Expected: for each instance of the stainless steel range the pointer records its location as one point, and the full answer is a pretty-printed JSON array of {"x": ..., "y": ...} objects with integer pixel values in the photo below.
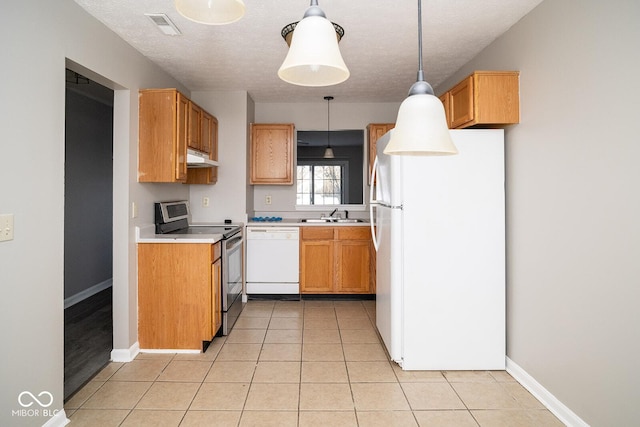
[{"x": 174, "y": 218}]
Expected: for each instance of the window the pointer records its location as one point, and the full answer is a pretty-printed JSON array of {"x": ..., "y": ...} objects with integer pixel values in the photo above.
[
  {"x": 320, "y": 182},
  {"x": 348, "y": 187}
]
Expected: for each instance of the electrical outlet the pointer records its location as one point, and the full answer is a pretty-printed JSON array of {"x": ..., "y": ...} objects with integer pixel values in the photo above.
[
  {"x": 205, "y": 202},
  {"x": 134, "y": 210},
  {"x": 267, "y": 200},
  {"x": 6, "y": 227}
]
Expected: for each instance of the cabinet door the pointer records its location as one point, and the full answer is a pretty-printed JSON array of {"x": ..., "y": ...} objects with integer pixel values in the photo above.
[
  {"x": 461, "y": 103},
  {"x": 316, "y": 266},
  {"x": 209, "y": 138},
  {"x": 195, "y": 138},
  {"x": 213, "y": 147},
  {"x": 497, "y": 97},
  {"x": 271, "y": 154},
  {"x": 174, "y": 298},
  {"x": 375, "y": 131},
  {"x": 182, "y": 131},
  {"x": 216, "y": 301},
  {"x": 162, "y": 139},
  {"x": 444, "y": 98},
  {"x": 353, "y": 266}
]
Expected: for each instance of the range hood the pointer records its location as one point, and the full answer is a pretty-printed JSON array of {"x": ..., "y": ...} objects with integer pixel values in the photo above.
[{"x": 197, "y": 159}]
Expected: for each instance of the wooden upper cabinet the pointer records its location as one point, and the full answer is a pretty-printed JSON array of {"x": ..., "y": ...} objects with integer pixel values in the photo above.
[
  {"x": 163, "y": 133},
  {"x": 169, "y": 123},
  {"x": 209, "y": 144},
  {"x": 272, "y": 154},
  {"x": 374, "y": 132},
  {"x": 208, "y": 134},
  {"x": 484, "y": 98},
  {"x": 444, "y": 98},
  {"x": 195, "y": 137}
]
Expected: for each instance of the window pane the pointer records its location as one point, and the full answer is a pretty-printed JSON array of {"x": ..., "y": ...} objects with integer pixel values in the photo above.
[{"x": 324, "y": 180}]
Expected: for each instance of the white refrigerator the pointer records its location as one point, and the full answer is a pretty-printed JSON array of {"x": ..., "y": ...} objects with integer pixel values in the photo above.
[{"x": 440, "y": 239}]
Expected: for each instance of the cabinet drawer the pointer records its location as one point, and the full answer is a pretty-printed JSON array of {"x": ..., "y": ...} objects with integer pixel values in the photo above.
[
  {"x": 317, "y": 233},
  {"x": 353, "y": 233},
  {"x": 216, "y": 251}
]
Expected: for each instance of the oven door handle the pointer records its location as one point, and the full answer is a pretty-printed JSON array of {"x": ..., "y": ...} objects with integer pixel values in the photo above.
[{"x": 233, "y": 243}]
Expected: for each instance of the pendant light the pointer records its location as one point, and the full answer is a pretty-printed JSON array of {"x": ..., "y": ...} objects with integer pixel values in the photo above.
[
  {"x": 314, "y": 57},
  {"x": 328, "y": 152},
  {"x": 421, "y": 127},
  {"x": 211, "y": 12}
]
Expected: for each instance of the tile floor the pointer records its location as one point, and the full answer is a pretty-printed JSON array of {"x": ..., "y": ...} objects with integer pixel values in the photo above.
[{"x": 299, "y": 363}]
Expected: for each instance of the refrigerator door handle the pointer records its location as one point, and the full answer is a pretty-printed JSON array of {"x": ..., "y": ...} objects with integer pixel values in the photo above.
[{"x": 373, "y": 202}]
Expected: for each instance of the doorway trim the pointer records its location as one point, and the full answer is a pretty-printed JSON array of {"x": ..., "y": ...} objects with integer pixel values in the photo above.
[{"x": 125, "y": 304}]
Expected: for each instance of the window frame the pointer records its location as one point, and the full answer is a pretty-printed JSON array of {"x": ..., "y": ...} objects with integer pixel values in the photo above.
[{"x": 344, "y": 166}]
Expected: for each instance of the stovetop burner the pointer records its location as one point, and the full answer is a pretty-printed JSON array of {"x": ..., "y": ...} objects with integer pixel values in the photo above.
[
  {"x": 173, "y": 218},
  {"x": 226, "y": 230}
]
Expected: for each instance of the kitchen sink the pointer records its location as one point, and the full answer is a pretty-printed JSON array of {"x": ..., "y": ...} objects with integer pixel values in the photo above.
[{"x": 338, "y": 220}]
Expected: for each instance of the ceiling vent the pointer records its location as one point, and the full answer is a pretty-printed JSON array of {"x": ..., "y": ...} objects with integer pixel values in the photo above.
[{"x": 163, "y": 22}]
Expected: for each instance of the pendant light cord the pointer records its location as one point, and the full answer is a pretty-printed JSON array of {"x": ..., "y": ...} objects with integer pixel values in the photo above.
[
  {"x": 328, "y": 152},
  {"x": 420, "y": 87},
  {"x": 420, "y": 70}
]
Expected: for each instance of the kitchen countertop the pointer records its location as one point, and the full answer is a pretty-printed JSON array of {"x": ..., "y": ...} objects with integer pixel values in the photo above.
[
  {"x": 295, "y": 222},
  {"x": 147, "y": 234}
]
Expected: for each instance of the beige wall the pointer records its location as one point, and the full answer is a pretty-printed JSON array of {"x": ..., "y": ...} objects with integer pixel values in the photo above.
[
  {"x": 40, "y": 39},
  {"x": 573, "y": 203},
  {"x": 227, "y": 196}
]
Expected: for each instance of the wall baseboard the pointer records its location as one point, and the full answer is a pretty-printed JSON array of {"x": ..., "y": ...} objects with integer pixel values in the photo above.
[
  {"x": 125, "y": 354},
  {"x": 82, "y": 295},
  {"x": 58, "y": 420},
  {"x": 169, "y": 351},
  {"x": 557, "y": 408}
]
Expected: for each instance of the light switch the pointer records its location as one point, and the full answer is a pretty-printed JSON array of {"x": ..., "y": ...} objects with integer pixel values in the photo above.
[
  {"x": 6, "y": 227},
  {"x": 134, "y": 210}
]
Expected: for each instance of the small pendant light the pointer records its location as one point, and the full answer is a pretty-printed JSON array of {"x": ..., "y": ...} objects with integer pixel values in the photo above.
[
  {"x": 314, "y": 57},
  {"x": 211, "y": 12},
  {"x": 421, "y": 127},
  {"x": 328, "y": 152}
]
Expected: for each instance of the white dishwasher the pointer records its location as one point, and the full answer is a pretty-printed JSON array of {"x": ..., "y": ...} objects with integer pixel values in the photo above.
[{"x": 273, "y": 260}]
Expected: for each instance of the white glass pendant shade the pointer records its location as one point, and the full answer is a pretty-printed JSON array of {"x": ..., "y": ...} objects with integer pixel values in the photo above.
[
  {"x": 314, "y": 58},
  {"x": 421, "y": 128},
  {"x": 211, "y": 12},
  {"x": 328, "y": 153}
]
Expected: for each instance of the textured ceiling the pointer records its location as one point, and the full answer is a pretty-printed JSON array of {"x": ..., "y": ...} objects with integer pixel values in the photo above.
[{"x": 379, "y": 46}]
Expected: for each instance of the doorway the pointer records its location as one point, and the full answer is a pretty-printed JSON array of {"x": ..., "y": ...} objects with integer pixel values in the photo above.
[{"x": 88, "y": 236}]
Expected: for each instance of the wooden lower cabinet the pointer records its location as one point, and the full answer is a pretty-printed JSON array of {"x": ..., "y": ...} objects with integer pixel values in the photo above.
[
  {"x": 353, "y": 261},
  {"x": 336, "y": 260},
  {"x": 178, "y": 295},
  {"x": 317, "y": 266}
]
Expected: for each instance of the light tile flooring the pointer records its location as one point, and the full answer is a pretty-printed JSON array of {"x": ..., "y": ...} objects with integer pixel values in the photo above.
[{"x": 299, "y": 363}]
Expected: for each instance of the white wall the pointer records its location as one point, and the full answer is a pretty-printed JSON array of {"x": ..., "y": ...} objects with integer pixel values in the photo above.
[
  {"x": 37, "y": 39},
  {"x": 573, "y": 203},
  {"x": 313, "y": 116}
]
